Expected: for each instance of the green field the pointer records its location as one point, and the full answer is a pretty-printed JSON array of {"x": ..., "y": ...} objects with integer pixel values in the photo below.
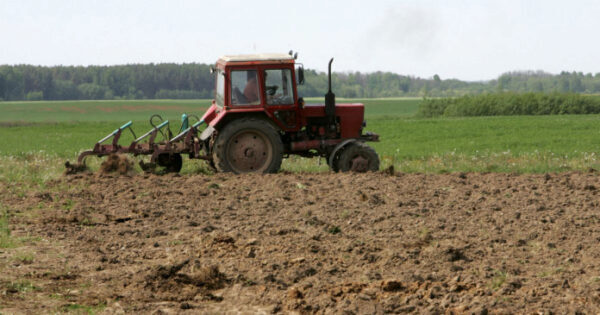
[
  {"x": 141, "y": 110},
  {"x": 37, "y": 137},
  {"x": 96, "y": 111}
]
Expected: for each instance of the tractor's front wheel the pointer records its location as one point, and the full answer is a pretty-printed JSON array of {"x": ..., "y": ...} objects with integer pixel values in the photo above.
[
  {"x": 248, "y": 145},
  {"x": 357, "y": 157}
]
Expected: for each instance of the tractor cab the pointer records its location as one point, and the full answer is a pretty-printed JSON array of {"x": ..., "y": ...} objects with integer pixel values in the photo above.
[{"x": 259, "y": 83}]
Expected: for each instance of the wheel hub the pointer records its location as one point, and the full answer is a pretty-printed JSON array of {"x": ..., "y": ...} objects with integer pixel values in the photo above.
[
  {"x": 249, "y": 151},
  {"x": 359, "y": 164}
]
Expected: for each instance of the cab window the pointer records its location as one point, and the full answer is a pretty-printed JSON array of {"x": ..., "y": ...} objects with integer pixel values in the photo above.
[
  {"x": 220, "y": 90},
  {"x": 278, "y": 87},
  {"x": 244, "y": 87}
]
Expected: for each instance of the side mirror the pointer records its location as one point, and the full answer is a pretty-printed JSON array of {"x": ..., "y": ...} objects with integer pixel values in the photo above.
[
  {"x": 211, "y": 69},
  {"x": 300, "y": 75}
]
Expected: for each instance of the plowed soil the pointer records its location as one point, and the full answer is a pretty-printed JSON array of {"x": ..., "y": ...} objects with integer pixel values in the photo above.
[{"x": 306, "y": 243}]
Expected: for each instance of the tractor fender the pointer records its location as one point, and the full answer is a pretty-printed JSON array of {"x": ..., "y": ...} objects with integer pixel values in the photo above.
[
  {"x": 338, "y": 147},
  {"x": 221, "y": 121}
]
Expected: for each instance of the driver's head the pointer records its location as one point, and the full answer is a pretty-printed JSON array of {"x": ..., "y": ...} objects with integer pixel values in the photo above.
[{"x": 250, "y": 75}]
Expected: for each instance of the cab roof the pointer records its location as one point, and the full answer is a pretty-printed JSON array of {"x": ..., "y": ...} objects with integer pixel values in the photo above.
[{"x": 257, "y": 57}]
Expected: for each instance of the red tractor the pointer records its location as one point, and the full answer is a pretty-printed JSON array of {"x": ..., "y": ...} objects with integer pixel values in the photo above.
[{"x": 255, "y": 120}]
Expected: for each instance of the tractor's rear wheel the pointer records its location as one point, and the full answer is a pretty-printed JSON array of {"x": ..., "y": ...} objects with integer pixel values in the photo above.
[
  {"x": 358, "y": 157},
  {"x": 248, "y": 145},
  {"x": 172, "y": 162}
]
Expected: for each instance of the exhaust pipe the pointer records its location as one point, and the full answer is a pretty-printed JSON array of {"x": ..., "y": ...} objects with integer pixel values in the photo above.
[{"x": 330, "y": 102}]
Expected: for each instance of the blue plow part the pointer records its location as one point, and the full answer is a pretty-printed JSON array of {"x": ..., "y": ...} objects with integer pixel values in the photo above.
[
  {"x": 198, "y": 124},
  {"x": 184, "y": 121},
  {"x": 181, "y": 134},
  {"x": 114, "y": 133},
  {"x": 164, "y": 123},
  {"x": 128, "y": 124}
]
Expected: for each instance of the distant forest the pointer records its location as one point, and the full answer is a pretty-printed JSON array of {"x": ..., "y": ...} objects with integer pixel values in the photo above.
[{"x": 194, "y": 81}]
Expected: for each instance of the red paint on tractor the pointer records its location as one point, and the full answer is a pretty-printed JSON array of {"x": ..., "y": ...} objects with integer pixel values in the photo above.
[{"x": 350, "y": 116}]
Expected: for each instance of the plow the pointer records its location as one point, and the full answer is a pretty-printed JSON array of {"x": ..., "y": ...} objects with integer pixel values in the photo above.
[
  {"x": 255, "y": 120},
  {"x": 166, "y": 152}
]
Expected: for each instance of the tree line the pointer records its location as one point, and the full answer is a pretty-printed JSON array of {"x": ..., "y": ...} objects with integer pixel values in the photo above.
[
  {"x": 137, "y": 81},
  {"x": 194, "y": 81}
]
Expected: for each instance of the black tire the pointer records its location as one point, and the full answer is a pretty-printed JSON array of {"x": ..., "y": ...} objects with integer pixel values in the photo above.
[
  {"x": 358, "y": 157},
  {"x": 248, "y": 145},
  {"x": 335, "y": 161},
  {"x": 172, "y": 162}
]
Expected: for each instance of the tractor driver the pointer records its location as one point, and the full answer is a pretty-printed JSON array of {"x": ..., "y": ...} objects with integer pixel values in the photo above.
[{"x": 251, "y": 89}]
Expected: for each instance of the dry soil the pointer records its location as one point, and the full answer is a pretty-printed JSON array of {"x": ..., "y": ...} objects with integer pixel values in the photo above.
[{"x": 305, "y": 243}]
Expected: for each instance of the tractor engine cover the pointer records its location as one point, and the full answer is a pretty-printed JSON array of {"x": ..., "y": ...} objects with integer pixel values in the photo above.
[{"x": 351, "y": 117}]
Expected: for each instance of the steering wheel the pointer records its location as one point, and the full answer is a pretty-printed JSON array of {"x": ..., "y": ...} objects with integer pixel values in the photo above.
[
  {"x": 271, "y": 89},
  {"x": 280, "y": 99}
]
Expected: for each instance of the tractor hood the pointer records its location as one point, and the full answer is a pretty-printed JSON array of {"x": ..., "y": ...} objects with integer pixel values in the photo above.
[{"x": 350, "y": 115}]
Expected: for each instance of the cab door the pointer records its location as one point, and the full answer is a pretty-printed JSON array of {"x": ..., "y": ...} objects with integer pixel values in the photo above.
[
  {"x": 280, "y": 98},
  {"x": 245, "y": 88}
]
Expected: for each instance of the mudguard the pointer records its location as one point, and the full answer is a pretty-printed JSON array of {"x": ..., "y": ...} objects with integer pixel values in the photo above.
[{"x": 338, "y": 147}]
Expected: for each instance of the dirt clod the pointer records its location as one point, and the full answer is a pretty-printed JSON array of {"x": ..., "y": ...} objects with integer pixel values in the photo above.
[
  {"x": 71, "y": 169},
  {"x": 391, "y": 286},
  {"x": 455, "y": 254},
  {"x": 116, "y": 163}
]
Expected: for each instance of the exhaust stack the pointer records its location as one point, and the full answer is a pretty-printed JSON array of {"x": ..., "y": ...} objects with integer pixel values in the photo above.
[{"x": 330, "y": 101}]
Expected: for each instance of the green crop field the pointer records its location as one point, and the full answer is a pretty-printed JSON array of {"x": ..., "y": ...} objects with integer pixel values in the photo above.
[
  {"x": 95, "y": 111},
  {"x": 37, "y": 137}
]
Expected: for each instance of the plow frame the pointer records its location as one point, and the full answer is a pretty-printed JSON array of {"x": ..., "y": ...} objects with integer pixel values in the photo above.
[{"x": 186, "y": 142}]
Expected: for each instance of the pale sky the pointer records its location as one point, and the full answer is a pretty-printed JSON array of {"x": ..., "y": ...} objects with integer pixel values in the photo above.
[{"x": 468, "y": 40}]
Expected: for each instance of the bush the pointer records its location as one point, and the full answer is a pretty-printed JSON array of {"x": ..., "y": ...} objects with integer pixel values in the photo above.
[
  {"x": 35, "y": 96},
  {"x": 506, "y": 104},
  {"x": 65, "y": 90},
  {"x": 90, "y": 91},
  {"x": 109, "y": 95}
]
